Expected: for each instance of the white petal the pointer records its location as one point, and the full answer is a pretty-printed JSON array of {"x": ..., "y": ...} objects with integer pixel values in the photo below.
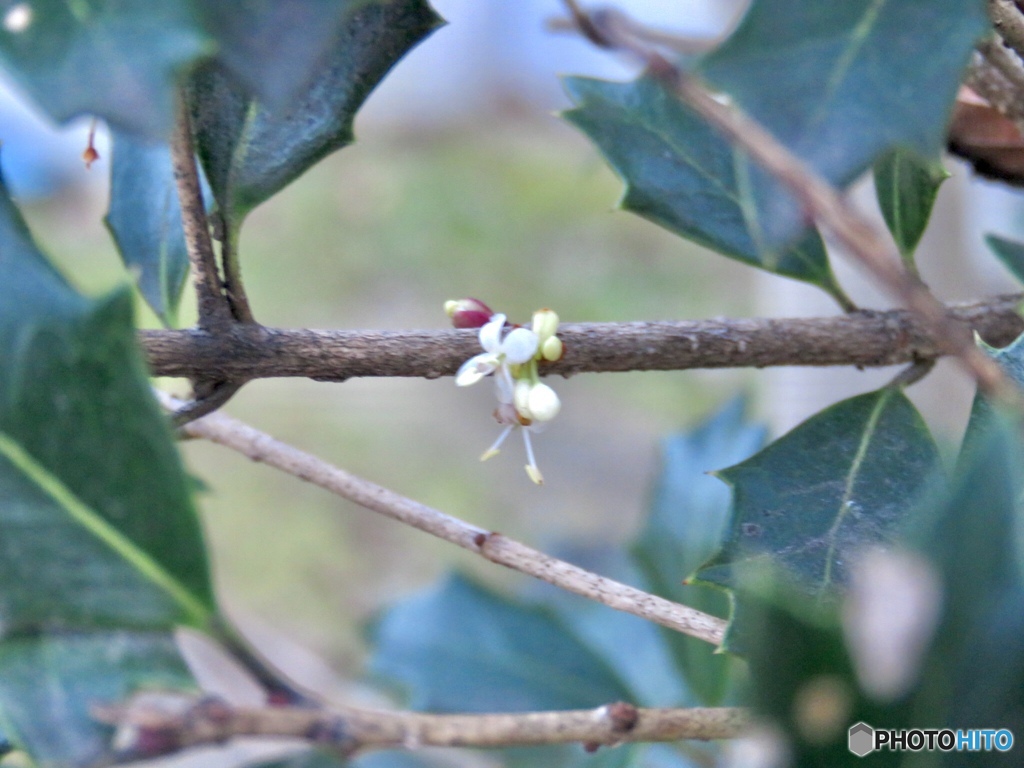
[
  {"x": 474, "y": 369},
  {"x": 543, "y": 403},
  {"x": 520, "y": 345},
  {"x": 490, "y": 333},
  {"x": 503, "y": 385}
]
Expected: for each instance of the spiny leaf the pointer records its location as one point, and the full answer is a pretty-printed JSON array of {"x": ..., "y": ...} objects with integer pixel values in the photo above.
[
  {"x": 842, "y": 480},
  {"x": 835, "y": 83},
  {"x": 680, "y": 173},
  {"x": 117, "y": 59},
  {"x": 906, "y": 186},
  {"x": 250, "y": 151},
  {"x": 460, "y": 647},
  {"x": 688, "y": 518},
  {"x": 101, "y": 553},
  {"x": 145, "y": 220}
]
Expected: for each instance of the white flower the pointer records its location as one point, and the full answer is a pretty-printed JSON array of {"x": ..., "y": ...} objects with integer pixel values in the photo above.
[
  {"x": 523, "y": 401},
  {"x": 518, "y": 346}
]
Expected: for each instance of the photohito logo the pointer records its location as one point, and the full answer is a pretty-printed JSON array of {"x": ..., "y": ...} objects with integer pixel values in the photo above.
[{"x": 862, "y": 739}]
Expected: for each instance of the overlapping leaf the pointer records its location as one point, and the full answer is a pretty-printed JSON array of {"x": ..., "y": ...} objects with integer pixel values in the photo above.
[
  {"x": 1010, "y": 253},
  {"x": 845, "y": 479},
  {"x": 460, "y": 647},
  {"x": 101, "y": 554},
  {"x": 250, "y": 151},
  {"x": 841, "y": 84},
  {"x": 680, "y": 173},
  {"x": 118, "y": 59},
  {"x": 906, "y": 187},
  {"x": 145, "y": 220},
  {"x": 689, "y": 515},
  {"x": 274, "y": 48}
]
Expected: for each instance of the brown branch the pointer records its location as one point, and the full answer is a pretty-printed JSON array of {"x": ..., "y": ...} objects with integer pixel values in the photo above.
[
  {"x": 214, "y": 313},
  {"x": 862, "y": 338},
  {"x": 1009, "y": 23},
  {"x": 172, "y": 727},
  {"x": 871, "y": 248},
  {"x": 259, "y": 446}
]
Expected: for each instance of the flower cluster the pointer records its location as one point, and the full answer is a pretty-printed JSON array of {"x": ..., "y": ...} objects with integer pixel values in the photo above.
[{"x": 511, "y": 354}]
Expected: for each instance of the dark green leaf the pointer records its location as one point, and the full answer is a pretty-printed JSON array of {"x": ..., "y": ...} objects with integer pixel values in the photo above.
[
  {"x": 1010, "y": 252},
  {"x": 906, "y": 186},
  {"x": 115, "y": 59},
  {"x": 102, "y": 553},
  {"x": 688, "y": 519},
  {"x": 680, "y": 173},
  {"x": 273, "y": 47},
  {"x": 145, "y": 220},
  {"x": 96, "y": 505},
  {"x": 974, "y": 535},
  {"x": 460, "y": 647},
  {"x": 841, "y": 83},
  {"x": 49, "y": 682},
  {"x": 842, "y": 480},
  {"x": 804, "y": 681},
  {"x": 250, "y": 152}
]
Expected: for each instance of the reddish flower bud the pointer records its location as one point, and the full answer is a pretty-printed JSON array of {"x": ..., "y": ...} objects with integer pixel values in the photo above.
[{"x": 468, "y": 313}]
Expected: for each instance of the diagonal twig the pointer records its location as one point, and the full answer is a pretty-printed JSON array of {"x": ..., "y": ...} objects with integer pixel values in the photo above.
[
  {"x": 864, "y": 242},
  {"x": 259, "y": 446}
]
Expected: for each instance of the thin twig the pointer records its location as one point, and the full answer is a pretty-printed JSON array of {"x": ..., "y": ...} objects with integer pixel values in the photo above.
[
  {"x": 259, "y": 446},
  {"x": 864, "y": 339},
  {"x": 687, "y": 45},
  {"x": 172, "y": 726},
  {"x": 212, "y": 398},
  {"x": 1009, "y": 22},
  {"x": 214, "y": 313},
  {"x": 870, "y": 247}
]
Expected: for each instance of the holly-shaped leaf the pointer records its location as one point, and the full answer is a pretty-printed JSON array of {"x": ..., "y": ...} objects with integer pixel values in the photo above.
[
  {"x": 1010, "y": 253},
  {"x": 906, "y": 186},
  {"x": 117, "y": 59},
  {"x": 680, "y": 173},
  {"x": 841, "y": 84},
  {"x": 689, "y": 515},
  {"x": 844, "y": 479},
  {"x": 250, "y": 151},
  {"x": 145, "y": 220},
  {"x": 102, "y": 553}
]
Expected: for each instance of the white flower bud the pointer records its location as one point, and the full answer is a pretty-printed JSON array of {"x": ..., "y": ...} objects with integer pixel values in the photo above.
[
  {"x": 551, "y": 349},
  {"x": 545, "y": 324},
  {"x": 543, "y": 403}
]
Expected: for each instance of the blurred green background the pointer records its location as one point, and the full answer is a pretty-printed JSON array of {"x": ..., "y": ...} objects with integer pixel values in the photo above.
[{"x": 515, "y": 210}]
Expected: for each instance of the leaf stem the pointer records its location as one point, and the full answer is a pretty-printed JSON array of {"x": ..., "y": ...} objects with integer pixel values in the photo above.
[{"x": 214, "y": 313}]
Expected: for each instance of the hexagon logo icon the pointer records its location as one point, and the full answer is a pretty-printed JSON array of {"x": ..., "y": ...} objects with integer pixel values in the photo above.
[{"x": 861, "y": 739}]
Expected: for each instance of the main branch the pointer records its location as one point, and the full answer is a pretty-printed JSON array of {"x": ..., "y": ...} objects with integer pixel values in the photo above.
[
  {"x": 862, "y": 338},
  {"x": 259, "y": 446}
]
